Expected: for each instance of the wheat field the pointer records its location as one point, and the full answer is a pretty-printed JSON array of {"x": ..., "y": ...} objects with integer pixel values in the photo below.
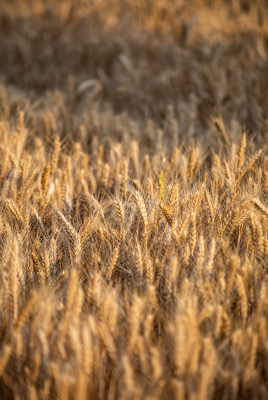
[{"x": 134, "y": 200}]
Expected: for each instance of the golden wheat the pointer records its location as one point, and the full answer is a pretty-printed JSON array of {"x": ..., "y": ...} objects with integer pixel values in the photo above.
[{"x": 133, "y": 208}]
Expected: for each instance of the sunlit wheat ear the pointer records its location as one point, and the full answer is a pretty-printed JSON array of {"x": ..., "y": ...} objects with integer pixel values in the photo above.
[
  {"x": 87, "y": 229},
  {"x": 142, "y": 210},
  {"x": 73, "y": 287},
  {"x": 172, "y": 274},
  {"x": 208, "y": 373},
  {"x": 170, "y": 210},
  {"x": 209, "y": 264},
  {"x": 97, "y": 206},
  {"x": 20, "y": 122},
  {"x": 161, "y": 187},
  {"x": 45, "y": 179},
  {"x": 139, "y": 260},
  {"x": 55, "y": 154},
  {"x": 220, "y": 129},
  {"x": 112, "y": 262},
  {"x": 124, "y": 178},
  {"x": 88, "y": 350},
  {"x": 128, "y": 377},
  {"x": 260, "y": 206},
  {"x": 260, "y": 239},
  {"x": 173, "y": 198},
  {"x": 243, "y": 302},
  {"x": 168, "y": 214},
  {"x": 27, "y": 186},
  {"x": 192, "y": 233},
  {"x": 210, "y": 208},
  {"x": 120, "y": 216},
  {"x": 14, "y": 280},
  {"x": 199, "y": 254},
  {"x": 149, "y": 271},
  {"x": 4, "y": 357},
  {"x": 4, "y": 164},
  {"x": 247, "y": 166},
  {"x": 241, "y": 153},
  {"x": 29, "y": 308},
  {"x": 238, "y": 216},
  {"x": 105, "y": 174},
  {"x": 14, "y": 212},
  {"x": 190, "y": 166},
  {"x": 228, "y": 177},
  {"x": 72, "y": 237}
]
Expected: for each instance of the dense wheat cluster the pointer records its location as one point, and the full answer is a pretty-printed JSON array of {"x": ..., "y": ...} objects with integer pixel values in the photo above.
[{"x": 134, "y": 200}]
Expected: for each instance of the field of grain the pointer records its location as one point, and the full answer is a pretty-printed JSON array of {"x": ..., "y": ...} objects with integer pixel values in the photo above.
[{"x": 134, "y": 200}]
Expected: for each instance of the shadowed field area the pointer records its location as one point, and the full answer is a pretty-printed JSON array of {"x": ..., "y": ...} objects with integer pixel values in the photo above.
[{"x": 134, "y": 200}]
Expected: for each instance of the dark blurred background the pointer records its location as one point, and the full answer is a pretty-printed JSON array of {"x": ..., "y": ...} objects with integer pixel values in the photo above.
[{"x": 203, "y": 58}]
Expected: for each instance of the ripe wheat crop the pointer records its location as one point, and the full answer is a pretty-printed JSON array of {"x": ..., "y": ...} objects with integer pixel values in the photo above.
[{"x": 133, "y": 200}]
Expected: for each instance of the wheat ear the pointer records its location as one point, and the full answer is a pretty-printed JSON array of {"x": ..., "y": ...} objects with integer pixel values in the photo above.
[
  {"x": 260, "y": 206},
  {"x": 112, "y": 263},
  {"x": 241, "y": 153},
  {"x": 142, "y": 209},
  {"x": 247, "y": 166},
  {"x": 73, "y": 236}
]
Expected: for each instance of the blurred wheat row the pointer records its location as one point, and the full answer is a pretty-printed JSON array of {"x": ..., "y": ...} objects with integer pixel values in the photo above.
[{"x": 134, "y": 205}]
